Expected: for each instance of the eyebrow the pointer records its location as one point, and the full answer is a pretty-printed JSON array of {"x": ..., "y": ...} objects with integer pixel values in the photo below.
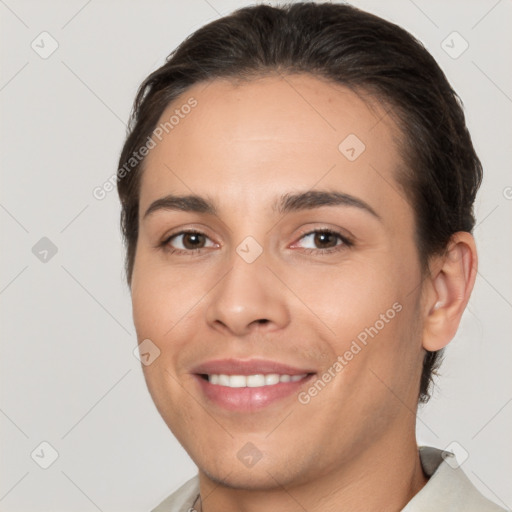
[{"x": 284, "y": 204}]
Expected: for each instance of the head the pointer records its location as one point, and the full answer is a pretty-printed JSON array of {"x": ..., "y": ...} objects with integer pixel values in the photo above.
[{"x": 247, "y": 112}]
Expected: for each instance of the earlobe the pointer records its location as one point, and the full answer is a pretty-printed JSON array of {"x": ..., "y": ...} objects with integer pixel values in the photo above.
[{"x": 449, "y": 289}]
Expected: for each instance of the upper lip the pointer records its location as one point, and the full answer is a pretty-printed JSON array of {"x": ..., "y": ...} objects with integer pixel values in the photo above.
[{"x": 247, "y": 367}]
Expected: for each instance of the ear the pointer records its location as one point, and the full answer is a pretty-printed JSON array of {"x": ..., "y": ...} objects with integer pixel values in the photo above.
[{"x": 447, "y": 290}]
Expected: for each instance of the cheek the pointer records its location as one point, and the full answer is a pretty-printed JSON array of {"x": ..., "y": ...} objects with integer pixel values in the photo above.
[
  {"x": 353, "y": 297},
  {"x": 372, "y": 317},
  {"x": 162, "y": 296},
  {"x": 147, "y": 302}
]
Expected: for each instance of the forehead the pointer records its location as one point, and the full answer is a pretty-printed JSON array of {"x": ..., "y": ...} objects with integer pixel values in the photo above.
[{"x": 273, "y": 134}]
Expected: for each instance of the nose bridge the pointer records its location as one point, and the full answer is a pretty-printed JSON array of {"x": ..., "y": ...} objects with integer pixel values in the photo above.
[{"x": 245, "y": 294}]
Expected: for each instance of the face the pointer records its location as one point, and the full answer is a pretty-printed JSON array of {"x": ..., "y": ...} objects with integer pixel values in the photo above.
[{"x": 296, "y": 283}]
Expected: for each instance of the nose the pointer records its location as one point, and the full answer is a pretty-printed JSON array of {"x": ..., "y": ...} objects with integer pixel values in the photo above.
[{"x": 247, "y": 298}]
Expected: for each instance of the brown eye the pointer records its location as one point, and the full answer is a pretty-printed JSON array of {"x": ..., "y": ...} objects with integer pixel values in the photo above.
[
  {"x": 186, "y": 242},
  {"x": 325, "y": 240},
  {"x": 193, "y": 240}
]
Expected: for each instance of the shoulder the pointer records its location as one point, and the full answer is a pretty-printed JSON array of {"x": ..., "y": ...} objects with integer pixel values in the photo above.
[
  {"x": 448, "y": 487},
  {"x": 181, "y": 500}
]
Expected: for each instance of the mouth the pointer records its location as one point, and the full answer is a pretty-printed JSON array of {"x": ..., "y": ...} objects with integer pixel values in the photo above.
[
  {"x": 250, "y": 381},
  {"x": 248, "y": 386}
]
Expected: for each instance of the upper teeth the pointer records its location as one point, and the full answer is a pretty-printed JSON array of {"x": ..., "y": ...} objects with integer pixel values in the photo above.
[{"x": 252, "y": 381}]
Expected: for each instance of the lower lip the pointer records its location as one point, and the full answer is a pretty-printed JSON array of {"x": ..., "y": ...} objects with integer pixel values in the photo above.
[{"x": 249, "y": 399}]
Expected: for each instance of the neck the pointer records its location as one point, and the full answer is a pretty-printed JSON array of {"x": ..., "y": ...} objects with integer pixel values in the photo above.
[{"x": 383, "y": 478}]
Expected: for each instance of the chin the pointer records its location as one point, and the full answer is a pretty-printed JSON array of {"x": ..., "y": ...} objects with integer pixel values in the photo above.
[
  {"x": 262, "y": 479},
  {"x": 268, "y": 473}
]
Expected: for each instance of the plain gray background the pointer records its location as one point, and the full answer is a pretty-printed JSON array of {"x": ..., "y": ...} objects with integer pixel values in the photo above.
[{"x": 69, "y": 376}]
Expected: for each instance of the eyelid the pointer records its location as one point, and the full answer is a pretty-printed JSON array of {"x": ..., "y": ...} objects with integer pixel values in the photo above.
[
  {"x": 347, "y": 240},
  {"x": 346, "y": 237},
  {"x": 166, "y": 240}
]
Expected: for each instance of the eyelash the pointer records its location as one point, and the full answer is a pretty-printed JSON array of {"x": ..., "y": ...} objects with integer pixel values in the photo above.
[{"x": 346, "y": 243}]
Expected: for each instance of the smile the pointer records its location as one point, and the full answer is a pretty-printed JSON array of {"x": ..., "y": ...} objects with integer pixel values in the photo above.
[
  {"x": 251, "y": 381},
  {"x": 250, "y": 393},
  {"x": 249, "y": 385}
]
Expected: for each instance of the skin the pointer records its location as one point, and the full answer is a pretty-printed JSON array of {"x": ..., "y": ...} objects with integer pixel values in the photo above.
[{"x": 353, "y": 446}]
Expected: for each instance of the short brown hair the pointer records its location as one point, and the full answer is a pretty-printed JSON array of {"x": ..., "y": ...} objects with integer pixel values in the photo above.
[{"x": 340, "y": 43}]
